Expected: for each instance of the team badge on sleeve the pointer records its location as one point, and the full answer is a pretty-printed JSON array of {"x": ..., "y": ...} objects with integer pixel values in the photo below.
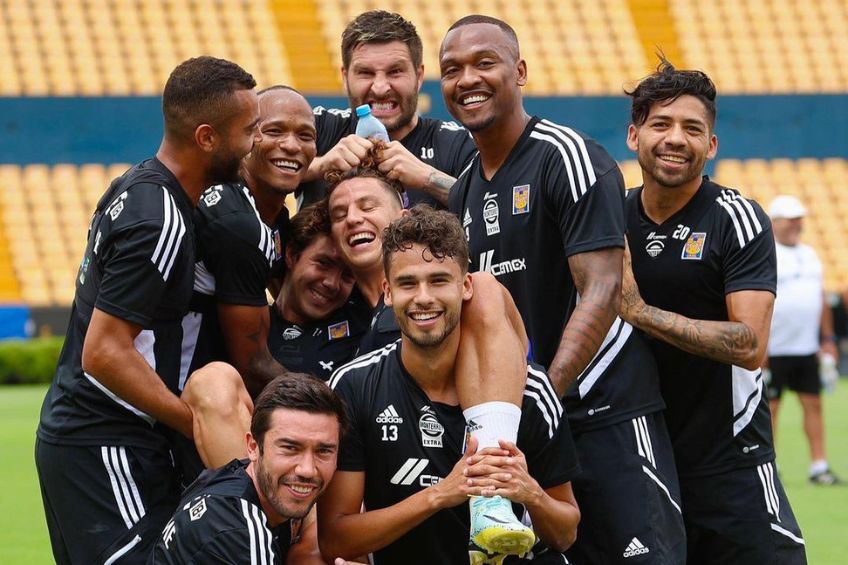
[
  {"x": 520, "y": 199},
  {"x": 693, "y": 249},
  {"x": 338, "y": 331}
]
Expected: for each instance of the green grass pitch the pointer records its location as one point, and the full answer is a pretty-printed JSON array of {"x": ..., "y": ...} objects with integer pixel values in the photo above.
[{"x": 821, "y": 511}]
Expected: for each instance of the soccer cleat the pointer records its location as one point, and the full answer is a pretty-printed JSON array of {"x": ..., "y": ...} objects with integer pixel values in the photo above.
[
  {"x": 496, "y": 530},
  {"x": 479, "y": 556},
  {"x": 826, "y": 477}
]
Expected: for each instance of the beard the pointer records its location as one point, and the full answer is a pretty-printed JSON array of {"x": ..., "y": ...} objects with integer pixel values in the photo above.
[
  {"x": 428, "y": 340},
  {"x": 224, "y": 167},
  {"x": 269, "y": 488}
]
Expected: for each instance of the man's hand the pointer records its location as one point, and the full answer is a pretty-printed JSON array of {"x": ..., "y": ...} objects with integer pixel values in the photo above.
[
  {"x": 346, "y": 154},
  {"x": 453, "y": 490},
  {"x": 502, "y": 472},
  {"x": 401, "y": 165},
  {"x": 631, "y": 301}
]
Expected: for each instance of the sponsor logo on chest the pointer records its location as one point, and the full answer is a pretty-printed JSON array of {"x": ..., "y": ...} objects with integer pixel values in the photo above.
[
  {"x": 491, "y": 214},
  {"x": 431, "y": 430}
]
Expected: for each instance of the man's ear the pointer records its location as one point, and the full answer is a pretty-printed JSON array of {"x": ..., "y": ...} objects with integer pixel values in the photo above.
[
  {"x": 387, "y": 293},
  {"x": 206, "y": 137},
  {"x": 522, "y": 72},
  {"x": 252, "y": 447},
  {"x": 291, "y": 258}
]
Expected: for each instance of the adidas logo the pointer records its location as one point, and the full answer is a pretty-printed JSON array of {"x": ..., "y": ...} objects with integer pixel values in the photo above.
[
  {"x": 635, "y": 548},
  {"x": 389, "y": 416}
]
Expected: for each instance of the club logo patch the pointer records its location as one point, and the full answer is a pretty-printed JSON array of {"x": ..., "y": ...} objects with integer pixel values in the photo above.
[
  {"x": 693, "y": 249},
  {"x": 520, "y": 199},
  {"x": 338, "y": 331},
  {"x": 291, "y": 333},
  {"x": 431, "y": 430},
  {"x": 491, "y": 213}
]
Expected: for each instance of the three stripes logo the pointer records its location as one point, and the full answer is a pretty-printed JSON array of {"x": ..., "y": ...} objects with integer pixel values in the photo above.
[
  {"x": 389, "y": 416},
  {"x": 635, "y": 548},
  {"x": 409, "y": 471}
]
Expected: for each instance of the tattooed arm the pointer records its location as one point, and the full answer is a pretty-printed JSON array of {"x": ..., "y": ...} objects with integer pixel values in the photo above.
[
  {"x": 245, "y": 331},
  {"x": 401, "y": 165},
  {"x": 739, "y": 341},
  {"x": 597, "y": 275}
]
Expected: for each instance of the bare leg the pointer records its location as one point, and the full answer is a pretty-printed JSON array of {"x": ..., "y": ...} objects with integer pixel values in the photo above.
[
  {"x": 492, "y": 361},
  {"x": 813, "y": 425},
  {"x": 222, "y": 409}
]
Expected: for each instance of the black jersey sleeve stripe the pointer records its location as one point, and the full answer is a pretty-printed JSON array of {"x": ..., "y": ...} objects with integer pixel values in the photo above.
[
  {"x": 581, "y": 155},
  {"x": 173, "y": 229},
  {"x": 266, "y": 243},
  {"x": 468, "y": 166},
  {"x": 742, "y": 214},
  {"x": 370, "y": 358},
  {"x": 546, "y": 405},
  {"x": 566, "y": 162}
]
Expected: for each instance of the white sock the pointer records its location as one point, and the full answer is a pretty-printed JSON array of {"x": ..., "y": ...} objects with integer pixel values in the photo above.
[
  {"x": 818, "y": 466},
  {"x": 491, "y": 421}
]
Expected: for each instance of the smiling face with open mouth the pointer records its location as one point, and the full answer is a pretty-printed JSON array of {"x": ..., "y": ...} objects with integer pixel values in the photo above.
[
  {"x": 426, "y": 294},
  {"x": 383, "y": 76},
  {"x": 360, "y": 209},
  {"x": 674, "y": 143},
  {"x": 481, "y": 75},
  {"x": 317, "y": 282},
  {"x": 287, "y": 143},
  {"x": 295, "y": 462}
]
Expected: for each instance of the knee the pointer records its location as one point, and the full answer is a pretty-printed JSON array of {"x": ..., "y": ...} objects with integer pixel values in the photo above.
[{"x": 215, "y": 388}]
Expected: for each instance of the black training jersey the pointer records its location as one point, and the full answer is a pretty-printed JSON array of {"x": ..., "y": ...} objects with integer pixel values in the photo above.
[
  {"x": 383, "y": 328},
  {"x": 558, "y": 194},
  {"x": 321, "y": 347},
  {"x": 137, "y": 266},
  {"x": 236, "y": 253},
  {"x": 719, "y": 243},
  {"x": 404, "y": 442},
  {"x": 220, "y": 520},
  {"x": 445, "y": 146}
]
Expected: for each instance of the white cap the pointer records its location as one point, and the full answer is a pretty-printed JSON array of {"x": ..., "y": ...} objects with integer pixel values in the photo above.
[{"x": 786, "y": 206}]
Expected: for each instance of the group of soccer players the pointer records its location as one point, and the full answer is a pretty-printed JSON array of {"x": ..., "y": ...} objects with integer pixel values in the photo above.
[{"x": 547, "y": 370}]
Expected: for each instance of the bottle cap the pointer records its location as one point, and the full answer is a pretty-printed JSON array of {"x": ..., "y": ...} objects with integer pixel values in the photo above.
[{"x": 363, "y": 110}]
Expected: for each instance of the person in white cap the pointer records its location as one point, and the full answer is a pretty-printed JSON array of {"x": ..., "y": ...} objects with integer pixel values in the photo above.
[{"x": 802, "y": 336}]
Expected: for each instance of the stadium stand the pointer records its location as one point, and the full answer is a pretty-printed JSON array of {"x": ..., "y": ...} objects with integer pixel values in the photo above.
[{"x": 574, "y": 48}]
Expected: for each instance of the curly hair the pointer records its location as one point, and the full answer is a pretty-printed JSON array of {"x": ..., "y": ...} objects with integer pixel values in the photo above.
[
  {"x": 380, "y": 26},
  {"x": 668, "y": 84},
  {"x": 437, "y": 230}
]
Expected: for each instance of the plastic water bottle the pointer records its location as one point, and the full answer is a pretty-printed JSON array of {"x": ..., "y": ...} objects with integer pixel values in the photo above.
[{"x": 369, "y": 126}]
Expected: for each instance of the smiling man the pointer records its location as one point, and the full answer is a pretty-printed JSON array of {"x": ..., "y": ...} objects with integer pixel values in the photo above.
[
  {"x": 315, "y": 327},
  {"x": 543, "y": 210},
  {"x": 251, "y": 510},
  {"x": 382, "y": 66},
  {"x": 704, "y": 264},
  {"x": 240, "y": 227},
  {"x": 405, "y": 456}
]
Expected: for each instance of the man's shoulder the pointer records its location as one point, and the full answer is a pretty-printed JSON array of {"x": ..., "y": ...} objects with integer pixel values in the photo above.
[
  {"x": 740, "y": 217},
  {"x": 365, "y": 370},
  {"x": 441, "y": 127},
  {"x": 558, "y": 145}
]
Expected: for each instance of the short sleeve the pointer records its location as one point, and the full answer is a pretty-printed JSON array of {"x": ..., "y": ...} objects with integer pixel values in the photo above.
[
  {"x": 750, "y": 262},
  {"x": 462, "y": 149},
  {"x": 143, "y": 242},
  {"x": 219, "y": 530},
  {"x": 588, "y": 201},
  {"x": 331, "y": 125},
  {"x": 352, "y": 450},
  {"x": 240, "y": 266}
]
